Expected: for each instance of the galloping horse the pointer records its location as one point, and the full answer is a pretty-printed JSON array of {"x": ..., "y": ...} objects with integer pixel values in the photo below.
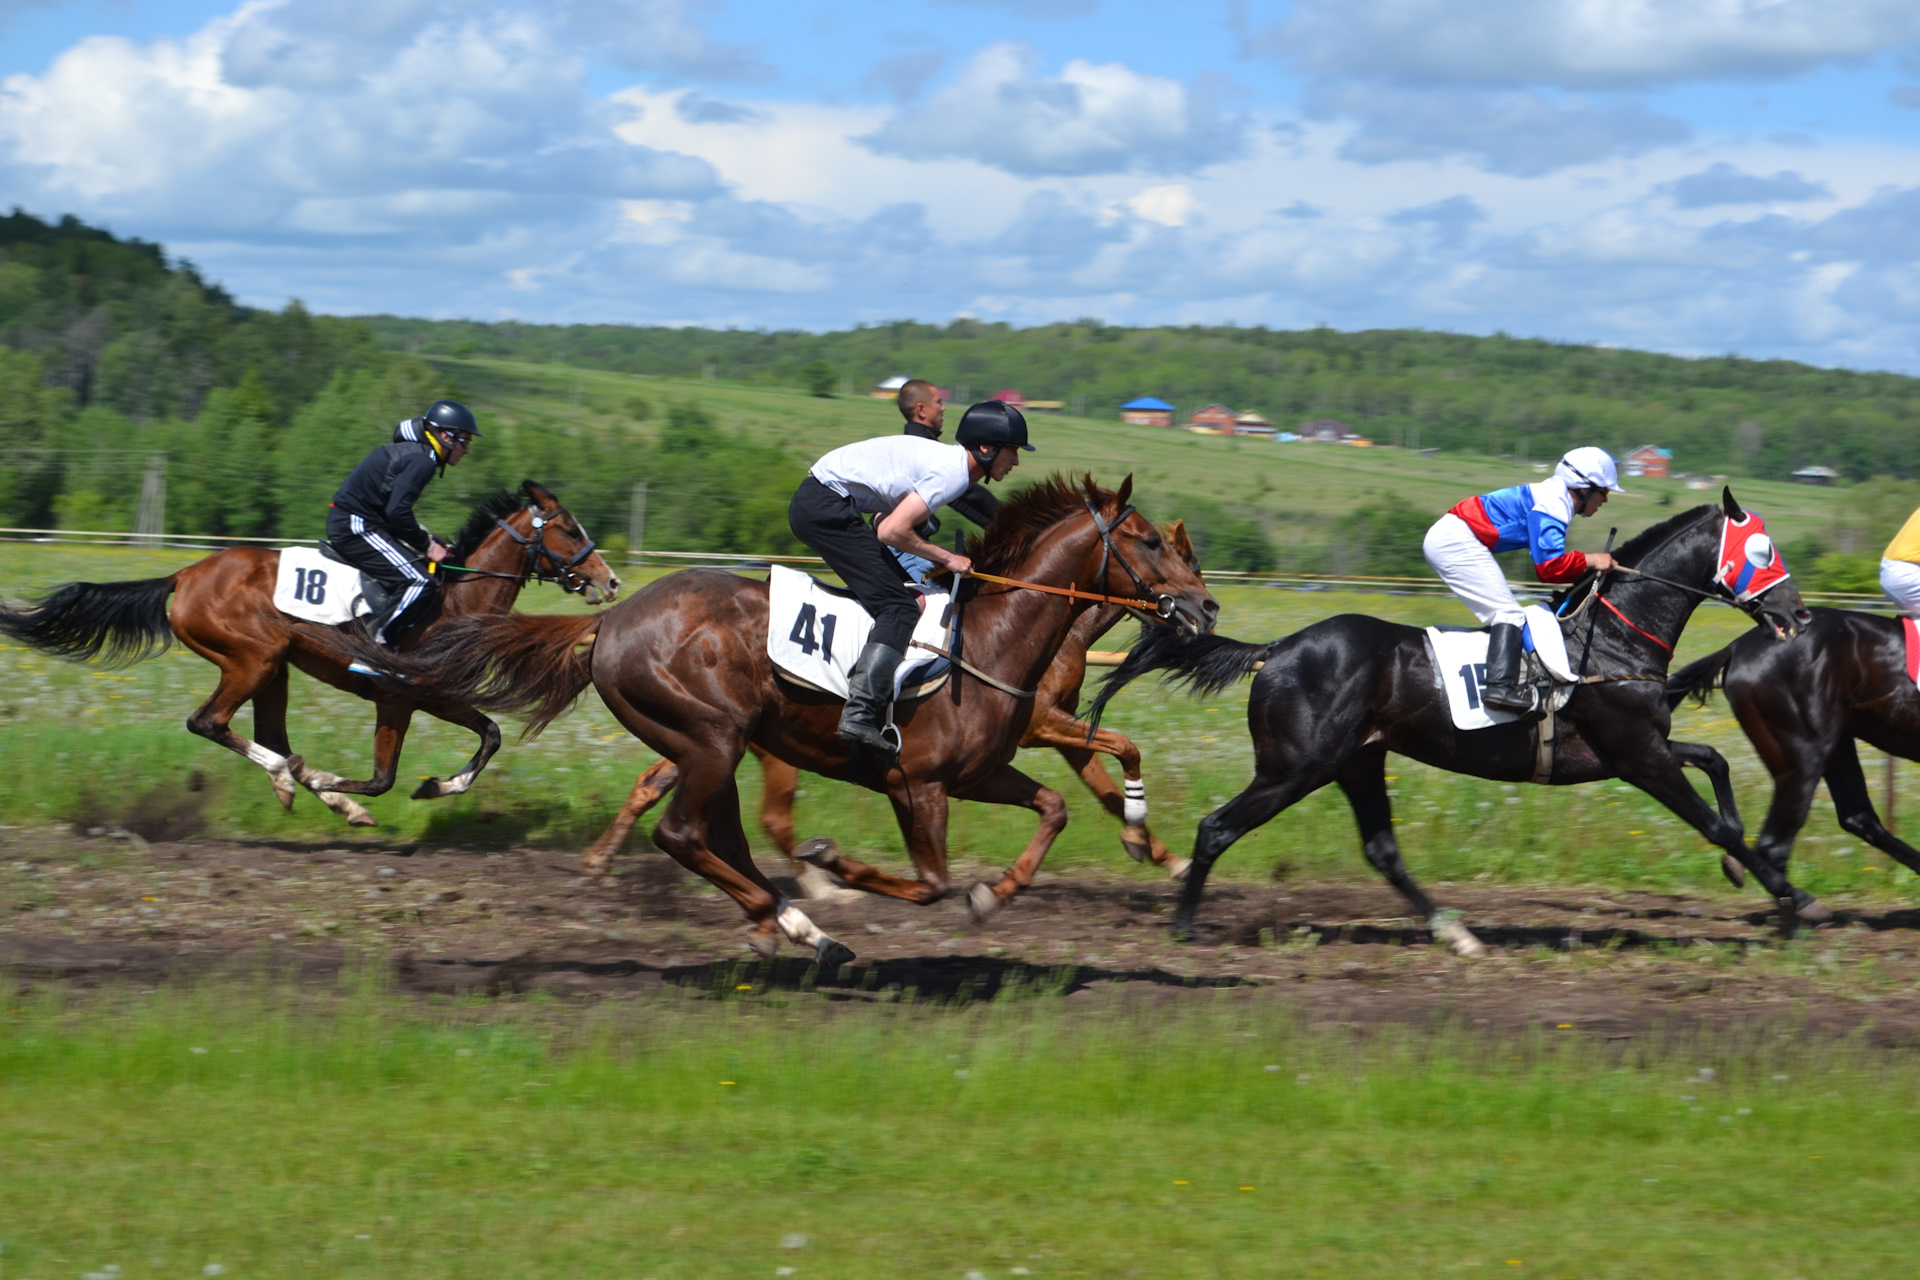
[
  {"x": 1802, "y": 707},
  {"x": 683, "y": 665},
  {"x": 1054, "y": 724},
  {"x": 1333, "y": 699},
  {"x": 223, "y": 610}
]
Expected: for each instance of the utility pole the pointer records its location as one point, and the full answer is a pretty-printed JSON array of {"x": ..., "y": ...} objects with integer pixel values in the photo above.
[
  {"x": 151, "y": 521},
  {"x": 637, "y": 523}
]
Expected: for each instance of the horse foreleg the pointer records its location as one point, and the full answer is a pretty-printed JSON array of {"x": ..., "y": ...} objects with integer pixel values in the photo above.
[
  {"x": 1007, "y": 785},
  {"x": 1700, "y": 756},
  {"x": 1853, "y": 804},
  {"x": 1068, "y": 736},
  {"x": 780, "y": 787},
  {"x": 648, "y": 788},
  {"x": 1365, "y": 783},
  {"x": 922, "y": 814}
]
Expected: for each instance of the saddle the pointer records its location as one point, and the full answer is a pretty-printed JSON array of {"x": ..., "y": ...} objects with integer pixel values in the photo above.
[
  {"x": 380, "y": 597},
  {"x": 1460, "y": 660},
  {"x": 815, "y": 632}
]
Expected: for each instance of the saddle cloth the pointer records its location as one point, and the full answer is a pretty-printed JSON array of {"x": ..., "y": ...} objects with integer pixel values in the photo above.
[
  {"x": 816, "y": 632},
  {"x": 314, "y": 588},
  {"x": 1460, "y": 656}
]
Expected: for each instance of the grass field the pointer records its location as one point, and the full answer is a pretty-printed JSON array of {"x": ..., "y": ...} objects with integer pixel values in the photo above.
[
  {"x": 259, "y": 1132},
  {"x": 100, "y": 746}
]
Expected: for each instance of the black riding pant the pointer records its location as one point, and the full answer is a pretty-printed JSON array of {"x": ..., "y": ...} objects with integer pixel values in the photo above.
[
  {"x": 832, "y": 527},
  {"x": 388, "y": 561}
]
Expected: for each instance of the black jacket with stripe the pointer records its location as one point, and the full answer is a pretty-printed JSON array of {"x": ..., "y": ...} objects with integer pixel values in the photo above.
[{"x": 388, "y": 481}]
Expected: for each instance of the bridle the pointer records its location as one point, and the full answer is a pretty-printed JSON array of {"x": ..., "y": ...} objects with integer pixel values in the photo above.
[
  {"x": 563, "y": 573},
  {"x": 1163, "y": 605},
  {"x": 1717, "y": 593}
]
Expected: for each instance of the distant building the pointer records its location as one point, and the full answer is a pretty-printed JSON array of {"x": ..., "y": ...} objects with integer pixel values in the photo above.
[
  {"x": 890, "y": 389},
  {"x": 1649, "y": 460},
  {"x": 1046, "y": 406},
  {"x": 1215, "y": 418},
  {"x": 1251, "y": 424},
  {"x": 1331, "y": 431},
  {"x": 1147, "y": 412},
  {"x": 1815, "y": 475},
  {"x": 1013, "y": 398}
]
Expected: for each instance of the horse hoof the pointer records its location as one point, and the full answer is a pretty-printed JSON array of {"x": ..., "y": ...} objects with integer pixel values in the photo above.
[
  {"x": 1183, "y": 930},
  {"x": 362, "y": 819},
  {"x": 1137, "y": 849},
  {"x": 817, "y": 884},
  {"x": 1458, "y": 937},
  {"x": 285, "y": 795},
  {"x": 819, "y": 851},
  {"x": 764, "y": 945},
  {"x": 596, "y": 865},
  {"x": 831, "y": 955},
  {"x": 1178, "y": 868},
  {"x": 428, "y": 790},
  {"x": 982, "y": 903},
  {"x": 1814, "y": 911},
  {"x": 1735, "y": 873}
]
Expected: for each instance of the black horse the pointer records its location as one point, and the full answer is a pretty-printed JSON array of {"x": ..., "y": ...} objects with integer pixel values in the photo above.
[
  {"x": 1802, "y": 706},
  {"x": 1333, "y": 699}
]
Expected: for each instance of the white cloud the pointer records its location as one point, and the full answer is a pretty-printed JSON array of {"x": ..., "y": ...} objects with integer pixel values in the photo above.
[
  {"x": 1170, "y": 206},
  {"x": 665, "y": 37},
  {"x": 1722, "y": 184},
  {"x": 1582, "y": 44},
  {"x": 1091, "y": 118}
]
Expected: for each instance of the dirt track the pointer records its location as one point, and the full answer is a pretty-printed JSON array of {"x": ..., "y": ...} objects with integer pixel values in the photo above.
[{"x": 1619, "y": 965}]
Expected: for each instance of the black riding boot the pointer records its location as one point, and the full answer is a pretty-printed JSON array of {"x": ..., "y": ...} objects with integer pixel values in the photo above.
[
  {"x": 1504, "y": 691},
  {"x": 869, "y": 695}
]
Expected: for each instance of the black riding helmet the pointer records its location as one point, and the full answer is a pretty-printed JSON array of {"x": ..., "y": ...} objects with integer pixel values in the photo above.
[
  {"x": 452, "y": 416},
  {"x": 994, "y": 425}
]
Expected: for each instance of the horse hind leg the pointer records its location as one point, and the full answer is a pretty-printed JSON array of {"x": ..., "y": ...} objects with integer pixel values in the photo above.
[
  {"x": 648, "y": 789},
  {"x": 779, "y": 788},
  {"x": 1853, "y": 804},
  {"x": 1365, "y": 784},
  {"x": 270, "y": 733},
  {"x": 213, "y": 719}
]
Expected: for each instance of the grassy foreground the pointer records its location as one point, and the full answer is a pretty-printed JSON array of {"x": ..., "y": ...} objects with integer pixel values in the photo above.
[{"x": 265, "y": 1133}]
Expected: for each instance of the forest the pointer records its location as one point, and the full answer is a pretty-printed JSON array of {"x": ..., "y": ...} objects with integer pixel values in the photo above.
[{"x": 116, "y": 360}]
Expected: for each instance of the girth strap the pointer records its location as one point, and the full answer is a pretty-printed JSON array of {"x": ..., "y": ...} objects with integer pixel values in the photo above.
[{"x": 1545, "y": 743}]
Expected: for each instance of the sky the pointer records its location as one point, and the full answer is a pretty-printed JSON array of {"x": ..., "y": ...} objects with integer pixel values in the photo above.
[{"x": 1692, "y": 176}]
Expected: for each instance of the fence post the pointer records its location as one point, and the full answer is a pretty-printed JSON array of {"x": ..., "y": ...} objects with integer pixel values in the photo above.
[
  {"x": 1886, "y": 810},
  {"x": 151, "y": 521},
  {"x": 637, "y": 523}
]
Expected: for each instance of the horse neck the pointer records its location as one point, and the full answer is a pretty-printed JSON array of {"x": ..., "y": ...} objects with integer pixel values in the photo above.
[
  {"x": 1014, "y": 634},
  {"x": 497, "y": 553},
  {"x": 1658, "y": 609}
]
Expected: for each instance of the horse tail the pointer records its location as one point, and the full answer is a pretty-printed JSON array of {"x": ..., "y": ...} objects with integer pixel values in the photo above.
[
  {"x": 1699, "y": 679},
  {"x": 526, "y": 664},
  {"x": 118, "y": 623},
  {"x": 1204, "y": 663}
]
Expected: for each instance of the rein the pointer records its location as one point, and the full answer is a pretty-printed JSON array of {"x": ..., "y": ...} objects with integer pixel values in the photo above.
[
  {"x": 563, "y": 576},
  {"x": 1163, "y": 604}
]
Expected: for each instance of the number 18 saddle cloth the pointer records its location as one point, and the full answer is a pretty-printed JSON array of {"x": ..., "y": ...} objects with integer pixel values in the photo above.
[{"x": 317, "y": 589}]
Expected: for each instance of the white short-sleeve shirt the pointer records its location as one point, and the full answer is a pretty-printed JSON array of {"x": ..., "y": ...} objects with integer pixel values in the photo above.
[{"x": 877, "y": 474}]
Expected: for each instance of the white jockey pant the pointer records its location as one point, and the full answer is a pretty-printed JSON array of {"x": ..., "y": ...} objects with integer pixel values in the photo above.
[
  {"x": 1900, "y": 579},
  {"x": 1470, "y": 571}
]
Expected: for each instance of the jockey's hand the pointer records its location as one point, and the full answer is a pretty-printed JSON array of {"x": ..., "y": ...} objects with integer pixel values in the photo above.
[
  {"x": 436, "y": 551},
  {"x": 959, "y": 564},
  {"x": 1599, "y": 561}
]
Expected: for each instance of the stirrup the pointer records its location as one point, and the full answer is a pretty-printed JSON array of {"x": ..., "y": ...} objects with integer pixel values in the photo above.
[{"x": 362, "y": 669}]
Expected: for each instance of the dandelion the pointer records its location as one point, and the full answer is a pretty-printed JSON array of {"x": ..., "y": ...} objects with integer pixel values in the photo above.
[{"x": 1181, "y": 1182}]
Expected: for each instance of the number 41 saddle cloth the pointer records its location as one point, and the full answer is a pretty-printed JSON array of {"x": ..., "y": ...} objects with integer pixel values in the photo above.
[{"x": 815, "y": 632}]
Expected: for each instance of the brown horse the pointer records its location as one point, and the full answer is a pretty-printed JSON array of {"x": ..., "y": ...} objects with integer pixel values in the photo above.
[
  {"x": 223, "y": 610},
  {"x": 1054, "y": 724},
  {"x": 684, "y": 666}
]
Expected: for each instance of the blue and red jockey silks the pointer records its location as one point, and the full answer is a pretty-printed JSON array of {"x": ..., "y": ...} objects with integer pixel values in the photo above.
[
  {"x": 1749, "y": 562},
  {"x": 1533, "y": 516}
]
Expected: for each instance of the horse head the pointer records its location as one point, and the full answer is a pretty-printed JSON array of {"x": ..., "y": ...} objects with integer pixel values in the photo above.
[
  {"x": 553, "y": 546},
  {"x": 1751, "y": 570},
  {"x": 1140, "y": 561}
]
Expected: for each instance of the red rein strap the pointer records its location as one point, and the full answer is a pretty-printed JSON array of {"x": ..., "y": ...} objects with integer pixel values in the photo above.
[{"x": 1624, "y": 618}]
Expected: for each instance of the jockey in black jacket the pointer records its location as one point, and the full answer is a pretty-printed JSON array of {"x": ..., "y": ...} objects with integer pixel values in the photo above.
[{"x": 371, "y": 524}]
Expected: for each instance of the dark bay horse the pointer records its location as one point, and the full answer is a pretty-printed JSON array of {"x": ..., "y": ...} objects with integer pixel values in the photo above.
[
  {"x": 1054, "y": 724},
  {"x": 1334, "y": 698},
  {"x": 1803, "y": 705},
  {"x": 683, "y": 665},
  {"x": 222, "y": 609}
]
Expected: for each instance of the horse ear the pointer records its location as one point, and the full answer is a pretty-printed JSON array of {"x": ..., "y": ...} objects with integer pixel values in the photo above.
[
  {"x": 1126, "y": 491},
  {"x": 1728, "y": 505},
  {"x": 537, "y": 495},
  {"x": 1182, "y": 544}
]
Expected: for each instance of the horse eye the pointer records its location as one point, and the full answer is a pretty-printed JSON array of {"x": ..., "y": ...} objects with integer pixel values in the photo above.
[{"x": 1151, "y": 542}]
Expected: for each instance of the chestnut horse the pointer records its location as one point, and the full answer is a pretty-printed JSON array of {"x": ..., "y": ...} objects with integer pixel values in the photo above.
[
  {"x": 223, "y": 610},
  {"x": 1054, "y": 724},
  {"x": 684, "y": 666}
]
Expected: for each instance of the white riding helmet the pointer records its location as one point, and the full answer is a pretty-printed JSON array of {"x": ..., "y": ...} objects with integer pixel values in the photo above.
[{"x": 1589, "y": 468}]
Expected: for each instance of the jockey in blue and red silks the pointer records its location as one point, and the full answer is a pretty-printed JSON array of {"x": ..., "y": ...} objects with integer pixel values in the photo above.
[{"x": 1460, "y": 546}]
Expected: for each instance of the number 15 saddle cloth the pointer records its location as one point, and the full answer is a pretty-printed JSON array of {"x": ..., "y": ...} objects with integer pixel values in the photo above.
[
  {"x": 1460, "y": 658},
  {"x": 816, "y": 632},
  {"x": 312, "y": 587}
]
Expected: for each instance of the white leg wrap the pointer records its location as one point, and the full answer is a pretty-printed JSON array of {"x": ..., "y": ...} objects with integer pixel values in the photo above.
[
  {"x": 1134, "y": 808},
  {"x": 456, "y": 785},
  {"x": 1456, "y": 935},
  {"x": 794, "y": 923}
]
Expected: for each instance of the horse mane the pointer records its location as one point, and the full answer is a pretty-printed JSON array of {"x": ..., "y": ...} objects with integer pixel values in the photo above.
[
  {"x": 1647, "y": 539},
  {"x": 493, "y": 508},
  {"x": 1022, "y": 518}
]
